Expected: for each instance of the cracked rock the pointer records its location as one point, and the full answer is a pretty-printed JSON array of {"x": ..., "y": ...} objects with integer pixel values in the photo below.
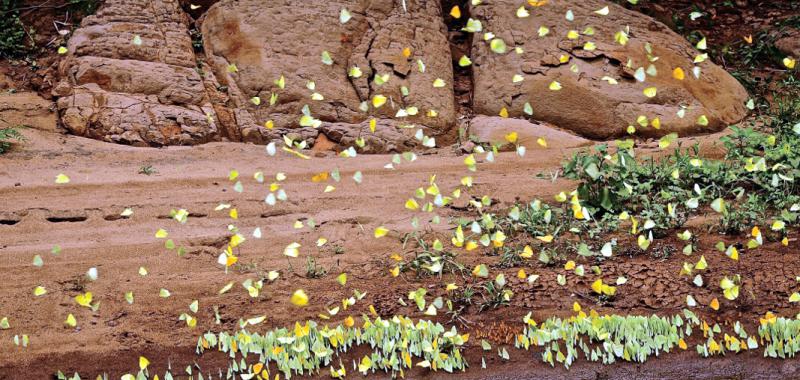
[
  {"x": 287, "y": 38},
  {"x": 130, "y": 78},
  {"x": 587, "y": 104},
  {"x": 132, "y": 74}
]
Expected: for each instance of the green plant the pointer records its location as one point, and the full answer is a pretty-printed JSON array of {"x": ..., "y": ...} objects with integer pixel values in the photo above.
[
  {"x": 338, "y": 249},
  {"x": 8, "y": 134},
  {"x": 551, "y": 256},
  {"x": 663, "y": 251},
  {"x": 85, "y": 7},
  {"x": 744, "y": 143},
  {"x": 654, "y": 195},
  {"x": 431, "y": 260},
  {"x": 741, "y": 216},
  {"x": 495, "y": 294},
  {"x": 539, "y": 219},
  {"x": 663, "y": 220},
  {"x": 197, "y": 40},
  {"x": 761, "y": 51},
  {"x": 619, "y": 181},
  {"x": 459, "y": 303},
  {"x": 510, "y": 258},
  {"x": 433, "y": 263},
  {"x": 16, "y": 40},
  {"x": 596, "y": 228},
  {"x": 12, "y": 31},
  {"x": 313, "y": 270},
  {"x": 147, "y": 170}
]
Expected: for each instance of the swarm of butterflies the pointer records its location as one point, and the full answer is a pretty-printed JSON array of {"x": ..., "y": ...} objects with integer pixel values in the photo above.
[{"x": 395, "y": 343}]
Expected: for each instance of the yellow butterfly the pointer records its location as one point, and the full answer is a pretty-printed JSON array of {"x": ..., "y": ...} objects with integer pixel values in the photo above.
[
  {"x": 320, "y": 177},
  {"x": 455, "y": 12},
  {"x": 299, "y": 298}
]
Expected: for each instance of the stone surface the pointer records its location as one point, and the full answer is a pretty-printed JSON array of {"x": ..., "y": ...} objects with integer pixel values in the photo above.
[
  {"x": 171, "y": 84},
  {"x": 134, "y": 74},
  {"x": 790, "y": 43},
  {"x": 267, "y": 40},
  {"x": 27, "y": 109},
  {"x": 147, "y": 93},
  {"x": 161, "y": 25},
  {"x": 493, "y": 129},
  {"x": 586, "y": 104},
  {"x": 390, "y": 136},
  {"x": 133, "y": 119}
]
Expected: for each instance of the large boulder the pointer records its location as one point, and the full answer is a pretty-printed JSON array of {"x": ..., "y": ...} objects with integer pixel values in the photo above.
[
  {"x": 251, "y": 44},
  {"x": 493, "y": 130},
  {"x": 133, "y": 73},
  {"x": 587, "y": 103},
  {"x": 134, "y": 119},
  {"x": 789, "y": 43},
  {"x": 131, "y": 77}
]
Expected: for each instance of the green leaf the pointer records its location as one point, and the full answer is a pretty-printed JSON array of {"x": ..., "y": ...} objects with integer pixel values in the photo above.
[{"x": 593, "y": 171}]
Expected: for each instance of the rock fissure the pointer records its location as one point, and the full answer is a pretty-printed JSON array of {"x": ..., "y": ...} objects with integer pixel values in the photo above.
[{"x": 460, "y": 46}]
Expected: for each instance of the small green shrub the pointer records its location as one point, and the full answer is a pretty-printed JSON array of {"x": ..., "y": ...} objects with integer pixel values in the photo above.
[
  {"x": 16, "y": 39},
  {"x": 12, "y": 32},
  {"x": 8, "y": 134},
  {"x": 147, "y": 170},
  {"x": 313, "y": 270},
  {"x": 741, "y": 216},
  {"x": 494, "y": 295}
]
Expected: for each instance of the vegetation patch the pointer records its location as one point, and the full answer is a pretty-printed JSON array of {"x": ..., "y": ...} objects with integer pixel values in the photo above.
[{"x": 7, "y": 136}]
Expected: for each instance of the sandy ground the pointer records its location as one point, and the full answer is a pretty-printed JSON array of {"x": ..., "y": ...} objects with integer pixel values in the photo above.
[{"x": 82, "y": 217}]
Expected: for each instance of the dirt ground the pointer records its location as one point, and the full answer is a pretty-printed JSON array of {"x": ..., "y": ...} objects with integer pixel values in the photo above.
[{"x": 82, "y": 217}]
